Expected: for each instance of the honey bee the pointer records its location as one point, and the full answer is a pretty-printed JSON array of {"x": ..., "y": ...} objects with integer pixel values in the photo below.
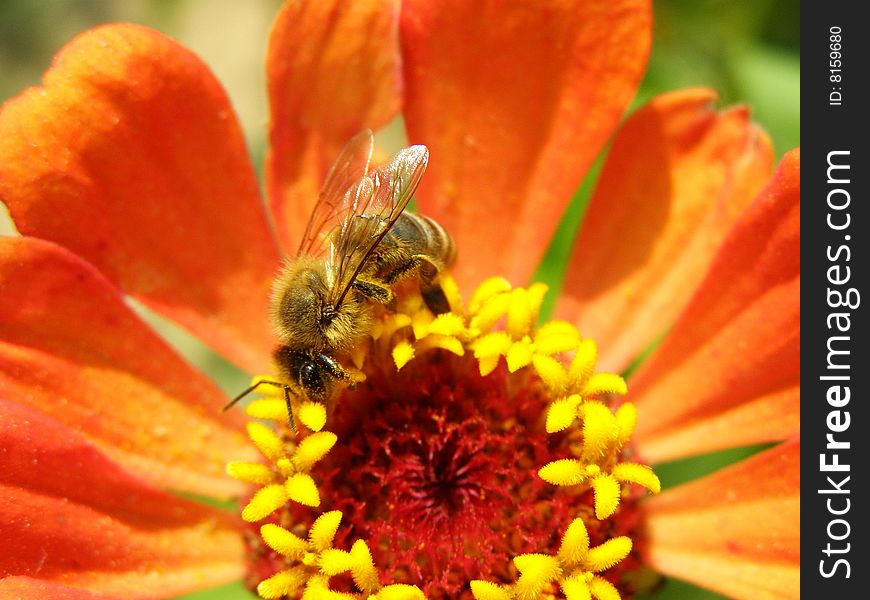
[{"x": 358, "y": 245}]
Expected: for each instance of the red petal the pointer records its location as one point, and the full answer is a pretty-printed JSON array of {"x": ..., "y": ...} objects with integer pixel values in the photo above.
[
  {"x": 737, "y": 531},
  {"x": 70, "y": 516},
  {"x": 333, "y": 71},
  {"x": 514, "y": 100},
  {"x": 676, "y": 178},
  {"x": 728, "y": 372},
  {"x": 130, "y": 155},
  {"x": 72, "y": 349}
]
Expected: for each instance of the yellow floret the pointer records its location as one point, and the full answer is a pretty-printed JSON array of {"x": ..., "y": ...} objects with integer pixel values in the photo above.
[
  {"x": 255, "y": 473},
  {"x": 284, "y": 583},
  {"x": 266, "y": 441},
  {"x": 312, "y": 449},
  {"x": 334, "y": 562},
  {"x": 266, "y": 501},
  {"x": 312, "y": 415},
  {"x": 403, "y": 352},
  {"x": 484, "y": 590},
  {"x": 302, "y": 489},
  {"x": 399, "y": 591},
  {"x": 364, "y": 573},
  {"x": 562, "y": 413},
  {"x": 323, "y": 530}
]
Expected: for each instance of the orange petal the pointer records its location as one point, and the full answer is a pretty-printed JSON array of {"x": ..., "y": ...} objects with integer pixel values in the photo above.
[
  {"x": 15, "y": 588},
  {"x": 333, "y": 70},
  {"x": 71, "y": 348},
  {"x": 676, "y": 178},
  {"x": 130, "y": 155},
  {"x": 514, "y": 100},
  {"x": 728, "y": 372},
  {"x": 737, "y": 531},
  {"x": 70, "y": 516}
]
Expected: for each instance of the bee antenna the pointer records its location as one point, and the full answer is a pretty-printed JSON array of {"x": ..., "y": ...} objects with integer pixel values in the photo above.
[
  {"x": 250, "y": 389},
  {"x": 257, "y": 384}
]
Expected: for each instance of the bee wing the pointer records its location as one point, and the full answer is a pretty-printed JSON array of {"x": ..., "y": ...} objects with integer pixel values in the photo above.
[
  {"x": 379, "y": 200},
  {"x": 338, "y": 194}
]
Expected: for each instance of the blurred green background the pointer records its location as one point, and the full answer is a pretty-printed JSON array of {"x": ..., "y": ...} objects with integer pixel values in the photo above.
[{"x": 747, "y": 50}]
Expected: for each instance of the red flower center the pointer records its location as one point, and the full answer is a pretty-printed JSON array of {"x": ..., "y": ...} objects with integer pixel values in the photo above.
[{"x": 437, "y": 471}]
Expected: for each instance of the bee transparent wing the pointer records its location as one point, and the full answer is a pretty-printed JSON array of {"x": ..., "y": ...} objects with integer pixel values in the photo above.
[
  {"x": 380, "y": 198},
  {"x": 338, "y": 194}
]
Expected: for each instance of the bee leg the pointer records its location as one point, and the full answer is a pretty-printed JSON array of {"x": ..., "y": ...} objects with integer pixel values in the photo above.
[
  {"x": 433, "y": 295},
  {"x": 432, "y": 292},
  {"x": 333, "y": 367},
  {"x": 435, "y": 298},
  {"x": 374, "y": 291},
  {"x": 289, "y": 408}
]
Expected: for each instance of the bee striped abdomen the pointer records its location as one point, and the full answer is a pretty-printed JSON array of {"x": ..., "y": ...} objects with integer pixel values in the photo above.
[{"x": 419, "y": 235}]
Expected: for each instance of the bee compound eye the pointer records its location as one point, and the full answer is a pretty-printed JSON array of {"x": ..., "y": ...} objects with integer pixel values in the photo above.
[{"x": 312, "y": 379}]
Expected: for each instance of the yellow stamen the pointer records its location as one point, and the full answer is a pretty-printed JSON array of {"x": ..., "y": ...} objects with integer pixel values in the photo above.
[
  {"x": 600, "y": 431},
  {"x": 576, "y": 587},
  {"x": 551, "y": 372},
  {"x": 365, "y": 575},
  {"x": 607, "y": 492},
  {"x": 335, "y": 562},
  {"x": 556, "y": 337},
  {"x": 273, "y": 409},
  {"x": 487, "y": 365},
  {"x": 485, "y": 291},
  {"x": 520, "y": 355},
  {"x": 626, "y": 419},
  {"x": 608, "y": 554},
  {"x": 316, "y": 561},
  {"x": 536, "y": 571},
  {"x": 451, "y": 290},
  {"x": 519, "y": 317},
  {"x": 420, "y": 322},
  {"x": 403, "y": 352},
  {"x": 399, "y": 591},
  {"x": 266, "y": 441},
  {"x": 562, "y": 413},
  {"x": 604, "y": 383},
  {"x": 312, "y": 449},
  {"x": 574, "y": 568},
  {"x": 445, "y": 342},
  {"x": 566, "y": 471},
  {"x": 448, "y": 324},
  {"x": 323, "y": 530},
  {"x": 537, "y": 291},
  {"x": 255, "y": 473},
  {"x": 490, "y": 312},
  {"x": 284, "y": 583},
  {"x": 484, "y": 590},
  {"x": 283, "y": 542},
  {"x": 584, "y": 360},
  {"x": 302, "y": 489},
  {"x": 267, "y": 500},
  {"x": 575, "y": 544},
  {"x": 495, "y": 344},
  {"x": 639, "y": 474},
  {"x": 603, "y": 589},
  {"x": 312, "y": 415}
]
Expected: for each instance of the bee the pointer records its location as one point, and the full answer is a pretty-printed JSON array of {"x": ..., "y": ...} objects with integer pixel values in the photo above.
[{"x": 359, "y": 244}]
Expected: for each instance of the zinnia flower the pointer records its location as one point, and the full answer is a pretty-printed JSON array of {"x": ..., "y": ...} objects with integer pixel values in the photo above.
[{"x": 484, "y": 454}]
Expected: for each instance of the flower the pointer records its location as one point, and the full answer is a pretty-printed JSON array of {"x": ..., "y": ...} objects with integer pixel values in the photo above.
[{"x": 127, "y": 177}]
